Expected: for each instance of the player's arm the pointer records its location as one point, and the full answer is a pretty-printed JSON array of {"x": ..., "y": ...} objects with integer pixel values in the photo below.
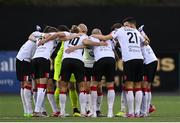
[
  {"x": 66, "y": 38},
  {"x": 59, "y": 35},
  {"x": 88, "y": 42},
  {"x": 103, "y": 37},
  {"x": 71, "y": 49},
  {"x": 32, "y": 37},
  {"x": 143, "y": 40},
  {"x": 140, "y": 29}
]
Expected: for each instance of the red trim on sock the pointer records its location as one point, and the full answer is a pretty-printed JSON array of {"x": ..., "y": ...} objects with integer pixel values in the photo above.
[
  {"x": 144, "y": 89},
  {"x": 123, "y": 88},
  {"x": 83, "y": 92},
  {"x": 137, "y": 89},
  {"x": 93, "y": 88},
  {"x": 148, "y": 90},
  {"x": 27, "y": 87},
  {"x": 129, "y": 89},
  {"x": 145, "y": 78},
  {"x": 50, "y": 92},
  {"x": 25, "y": 78},
  {"x": 37, "y": 85},
  {"x": 46, "y": 75},
  {"x": 110, "y": 88},
  {"x": 42, "y": 86},
  {"x": 62, "y": 92},
  {"x": 100, "y": 94}
]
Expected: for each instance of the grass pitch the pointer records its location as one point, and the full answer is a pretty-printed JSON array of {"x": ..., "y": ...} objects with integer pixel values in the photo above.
[{"x": 168, "y": 110}]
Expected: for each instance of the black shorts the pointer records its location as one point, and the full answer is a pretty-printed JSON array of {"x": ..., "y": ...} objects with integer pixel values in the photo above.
[
  {"x": 150, "y": 71},
  {"x": 41, "y": 68},
  {"x": 23, "y": 70},
  {"x": 105, "y": 66},
  {"x": 89, "y": 73},
  {"x": 71, "y": 65},
  {"x": 133, "y": 70}
]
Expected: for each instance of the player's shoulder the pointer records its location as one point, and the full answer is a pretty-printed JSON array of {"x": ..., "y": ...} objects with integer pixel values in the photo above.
[
  {"x": 37, "y": 33},
  {"x": 66, "y": 33},
  {"x": 93, "y": 39}
]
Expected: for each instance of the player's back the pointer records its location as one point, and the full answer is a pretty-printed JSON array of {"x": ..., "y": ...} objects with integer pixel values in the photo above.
[
  {"x": 130, "y": 41},
  {"x": 46, "y": 49},
  {"x": 27, "y": 50},
  {"x": 102, "y": 51},
  {"x": 77, "y": 54}
]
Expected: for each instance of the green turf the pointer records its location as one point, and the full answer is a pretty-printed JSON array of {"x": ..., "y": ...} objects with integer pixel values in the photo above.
[{"x": 168, "y": 110}]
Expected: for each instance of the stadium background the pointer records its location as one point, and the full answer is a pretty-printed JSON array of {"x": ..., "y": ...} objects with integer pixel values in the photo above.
[{"x": 160, "y": 17}]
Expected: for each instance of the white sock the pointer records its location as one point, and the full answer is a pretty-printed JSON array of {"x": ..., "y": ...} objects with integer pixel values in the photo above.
[
  {"x": 149, "y": 100},
  {"x": 52, "y": 102},
  {"x": 28, "y": 99},
  {"x": 34, "y": 97},
  {"x": 144, "y": 103},
  {"x": 99, "y": 102},
  {"x": 62, "y": 101},
  {"x": 123, "y": 101},
  {"x": 89, "y": 103},
  {"x": 110, "y": 98},
  {"x": 40, "y": 97},
  {"x": 43, "y": 107},
  {"x": 94, "y": 100},
  {"x": 82, "y": 101},
  {"x": 138, "y": 101},
  {"x": 23, "y": 100},
  {"x": 130, "y": 102}
]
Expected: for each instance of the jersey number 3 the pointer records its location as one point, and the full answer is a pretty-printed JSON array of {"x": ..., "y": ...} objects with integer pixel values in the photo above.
[{"x": 131, "y": 37}]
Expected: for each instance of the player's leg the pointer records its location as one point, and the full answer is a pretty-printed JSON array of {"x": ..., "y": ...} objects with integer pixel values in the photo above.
[
  {"x": 23, "y": 99},
  {"x": 74, "y": 96},
  {"x": 50, "y": 91},
  {"x": 88, "y": 74},
  {"x": 20, "y": 74},
  {"x": 34, "y": 89},
  {"x": 63, "y": 85},
  {"x": 63, "y": 97},
  {"x": 109, "y": 73},
  {"x": 129, "y": 87},
  {"x": 27, "y": 96},
  {"x": 51, "y": 99},
  {"x": 44, "y": 69},
  {"x": 122, "y": 112},
  {"x": 144, "y": 105},
  {"x": 56, "y": 93},
  {"x": 80, "y": 78},
  {"x": 138, "y": 85},
  {"x": 99, "y": 97},
  {"x": 95, "y": 80},
  {"x": 27, "y": 87},
  {"x": 152, "y": 68}
]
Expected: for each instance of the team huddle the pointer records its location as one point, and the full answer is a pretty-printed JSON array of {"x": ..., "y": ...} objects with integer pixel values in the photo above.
[{"x": 61, "y": 61}]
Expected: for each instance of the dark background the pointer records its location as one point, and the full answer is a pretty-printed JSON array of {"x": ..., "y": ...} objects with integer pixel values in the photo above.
[{"x": 161, "y": 23}]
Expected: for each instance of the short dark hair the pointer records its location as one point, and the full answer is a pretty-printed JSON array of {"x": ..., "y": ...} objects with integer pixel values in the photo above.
[
  {"x": 63, "y": 28},
  {"x": 48, "y": 29},
  {"x": 130, "y": 20},
  {"x": 116, "y": 26}
]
